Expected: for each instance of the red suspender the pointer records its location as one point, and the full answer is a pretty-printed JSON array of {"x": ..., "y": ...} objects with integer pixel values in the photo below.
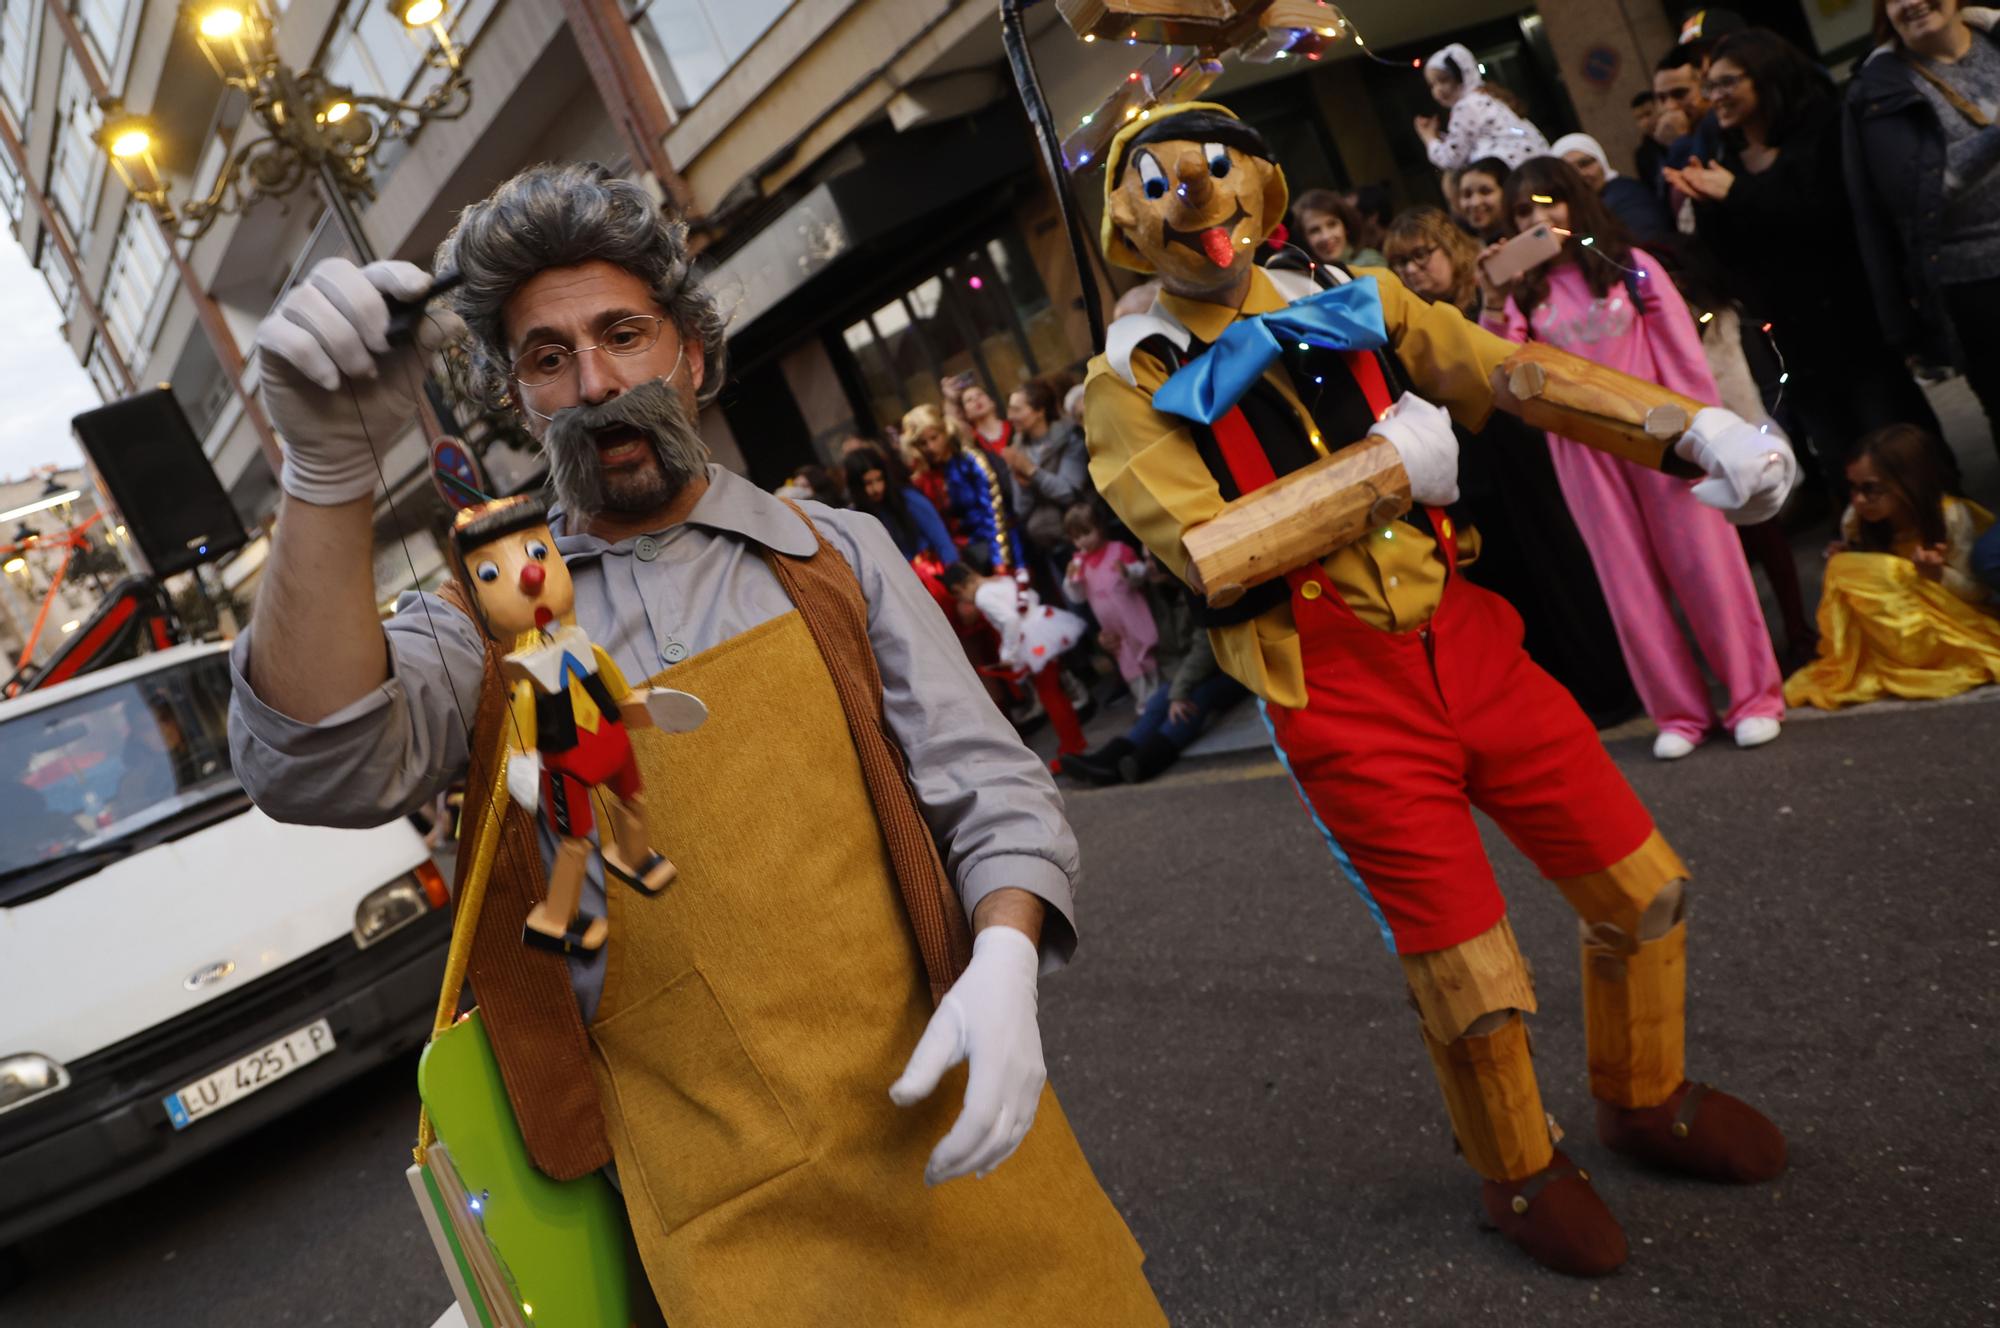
[
  {"x": 1250, "y": 466},
  {"x": 1244, "y": 455},
  {"x": 1367, "y": 371}
]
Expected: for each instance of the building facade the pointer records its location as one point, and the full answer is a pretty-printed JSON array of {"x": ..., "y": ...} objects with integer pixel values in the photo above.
[{"x": 858, "y": 173}]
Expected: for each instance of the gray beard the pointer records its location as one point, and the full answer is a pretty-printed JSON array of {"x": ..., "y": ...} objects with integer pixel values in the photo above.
[{"x": 576, "y": 477}]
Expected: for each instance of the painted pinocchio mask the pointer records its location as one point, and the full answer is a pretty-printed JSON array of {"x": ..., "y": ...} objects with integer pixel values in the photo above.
[{"x": 1190, "y": 192}]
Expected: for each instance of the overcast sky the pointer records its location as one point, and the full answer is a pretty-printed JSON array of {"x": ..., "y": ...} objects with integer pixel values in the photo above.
[{"x": 41, "y": 383}]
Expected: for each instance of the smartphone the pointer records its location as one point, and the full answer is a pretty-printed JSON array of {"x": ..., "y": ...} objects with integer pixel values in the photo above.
[
  {"x": 1526, "y": 251},
  {"x": 959, "y": 382}
]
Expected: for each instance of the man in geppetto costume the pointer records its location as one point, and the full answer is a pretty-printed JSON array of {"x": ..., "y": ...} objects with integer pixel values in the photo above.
[{"x": 853, "y": 818}]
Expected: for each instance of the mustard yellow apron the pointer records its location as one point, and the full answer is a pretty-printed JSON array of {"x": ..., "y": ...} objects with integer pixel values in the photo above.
[{"x": 753, "y": 1017}]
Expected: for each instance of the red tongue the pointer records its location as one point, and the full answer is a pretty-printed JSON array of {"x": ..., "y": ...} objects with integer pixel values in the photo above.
[{"x": 1221, "y": 250}]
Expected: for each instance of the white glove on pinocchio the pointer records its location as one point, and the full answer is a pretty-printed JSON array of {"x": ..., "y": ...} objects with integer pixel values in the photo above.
[
  {"x": 338, "y": 392},
  {"x": 1750, "y": 471},
  {"x": 988, "y": 1020}
]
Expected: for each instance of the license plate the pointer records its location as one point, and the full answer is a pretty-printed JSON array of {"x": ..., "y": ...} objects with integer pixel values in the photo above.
[{"x": 260, "y": 1069}]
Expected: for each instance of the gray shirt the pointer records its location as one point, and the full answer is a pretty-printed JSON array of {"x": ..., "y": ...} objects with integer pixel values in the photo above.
[
  {"x": 1062, "y": 477},
  {"x": 1969, "y": 235},
  {"x": 652, "y": 602}
]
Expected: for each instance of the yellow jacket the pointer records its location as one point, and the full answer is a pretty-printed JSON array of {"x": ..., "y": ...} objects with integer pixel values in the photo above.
[{"x": 1146, "y": 465}]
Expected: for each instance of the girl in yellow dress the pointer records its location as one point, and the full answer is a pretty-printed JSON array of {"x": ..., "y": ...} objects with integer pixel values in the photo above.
[{"x": 1901, "y": 613}]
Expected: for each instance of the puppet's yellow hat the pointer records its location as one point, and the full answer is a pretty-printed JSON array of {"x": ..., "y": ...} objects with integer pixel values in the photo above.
[{"x": 1116, "y": 250}]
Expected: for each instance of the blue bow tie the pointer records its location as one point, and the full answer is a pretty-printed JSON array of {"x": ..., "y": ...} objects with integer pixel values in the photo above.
[{"x": 1207, "y": 387}]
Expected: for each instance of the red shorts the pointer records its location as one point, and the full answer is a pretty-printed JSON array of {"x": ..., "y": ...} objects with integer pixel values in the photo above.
[
  {"x": 603, "y": 757},
  {"x": 1404, "y": 733}
]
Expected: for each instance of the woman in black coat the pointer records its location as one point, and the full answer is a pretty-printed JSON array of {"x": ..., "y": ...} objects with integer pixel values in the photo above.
[
  {"x": 1773, "y": 210},
  {"x": 1921, "y": 175}
]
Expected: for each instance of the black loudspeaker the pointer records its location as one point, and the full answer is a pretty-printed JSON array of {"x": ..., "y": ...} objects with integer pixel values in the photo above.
[{"x": 153, "y": 466}]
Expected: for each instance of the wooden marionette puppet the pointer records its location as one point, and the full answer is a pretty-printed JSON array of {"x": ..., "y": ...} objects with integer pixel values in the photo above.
[
  {"x": 1263, "y": 433},
  {"x": 570, "y": 709}
]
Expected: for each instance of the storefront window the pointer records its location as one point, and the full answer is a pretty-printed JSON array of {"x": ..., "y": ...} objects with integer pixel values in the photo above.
[{"x": 984, "y": 313}]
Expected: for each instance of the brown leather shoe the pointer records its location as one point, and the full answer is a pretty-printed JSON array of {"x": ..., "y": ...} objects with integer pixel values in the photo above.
[
  {"x": 1700, "y": 1131},
  {"x": 1557, "y": 1219}
]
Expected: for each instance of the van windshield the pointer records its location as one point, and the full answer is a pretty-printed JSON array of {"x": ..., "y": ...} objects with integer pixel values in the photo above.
[{"x": 89, "y": 772}]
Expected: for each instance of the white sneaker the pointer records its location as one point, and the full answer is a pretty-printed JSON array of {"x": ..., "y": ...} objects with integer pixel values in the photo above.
[
  {"x": 1671, "y": 747},
  {"x": 1756, "y": 731}
]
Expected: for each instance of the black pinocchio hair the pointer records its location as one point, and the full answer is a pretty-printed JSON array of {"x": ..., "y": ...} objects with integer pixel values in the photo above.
[{"x": 481, "y": 525}]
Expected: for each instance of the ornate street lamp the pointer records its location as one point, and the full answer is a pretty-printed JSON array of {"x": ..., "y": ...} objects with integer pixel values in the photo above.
[{"x": 312, "y": 127}]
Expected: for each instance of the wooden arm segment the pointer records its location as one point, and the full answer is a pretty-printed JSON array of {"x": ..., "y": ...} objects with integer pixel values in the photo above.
[
  {"x": 1299, "y": 519},
  {"x": 1602, "y": 408}
]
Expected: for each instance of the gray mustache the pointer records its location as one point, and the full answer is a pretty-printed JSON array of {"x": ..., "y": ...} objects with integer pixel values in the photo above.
[{"x": 654, "y": 408}]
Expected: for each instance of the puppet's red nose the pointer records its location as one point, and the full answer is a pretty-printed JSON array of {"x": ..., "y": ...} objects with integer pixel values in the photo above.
[{"x": 532, "y": 577}]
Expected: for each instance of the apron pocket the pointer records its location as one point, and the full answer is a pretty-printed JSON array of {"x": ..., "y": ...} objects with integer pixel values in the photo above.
[{"x": 702, "y": 1124}]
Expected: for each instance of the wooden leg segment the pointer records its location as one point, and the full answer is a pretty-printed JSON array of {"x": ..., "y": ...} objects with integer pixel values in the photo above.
[
  {"x": 1635, "y": 1016},
  {"x": 1495, "y": 1105}
]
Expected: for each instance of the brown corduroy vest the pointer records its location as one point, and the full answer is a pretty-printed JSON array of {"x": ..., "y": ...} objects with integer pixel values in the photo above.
[{"x": 524, "y": 994}]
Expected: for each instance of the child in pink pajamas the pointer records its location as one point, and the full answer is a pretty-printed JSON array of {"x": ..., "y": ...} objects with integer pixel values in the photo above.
[
  {"x": 1106, "y": 574},
  {"x": 1651, "y": 541}
]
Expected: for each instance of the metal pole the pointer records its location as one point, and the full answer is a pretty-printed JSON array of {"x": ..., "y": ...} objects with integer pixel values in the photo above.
[{"x": 1014, "y": 37}]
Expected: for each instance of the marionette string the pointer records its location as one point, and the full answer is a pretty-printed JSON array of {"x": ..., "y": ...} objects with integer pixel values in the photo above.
[{"x": 416, "y": 580}]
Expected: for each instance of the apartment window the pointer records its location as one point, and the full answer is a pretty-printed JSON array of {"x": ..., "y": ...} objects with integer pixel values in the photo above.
[
  {"x": 132, "y": 291},
  {"x": 103, "y": 23},
  {"x": 76, "y": 167},
  {"x": 20, "y": 28},
  {"x": 11, "y": 193},
  {"x": 373, "y": 53},
  {"x": 694, "y": 42},
  {"x": 56, "y": 273},
  {"x": 98, "y": 364}
]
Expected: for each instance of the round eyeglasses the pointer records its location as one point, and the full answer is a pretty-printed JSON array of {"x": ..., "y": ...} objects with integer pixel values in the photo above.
[{"x": 628, "y": 336}]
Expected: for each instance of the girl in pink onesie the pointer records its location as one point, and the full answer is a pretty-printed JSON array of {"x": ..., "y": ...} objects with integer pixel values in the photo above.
[
  {"x": 1651, "y": 540},
  {"x": 1107, "y": 574}
]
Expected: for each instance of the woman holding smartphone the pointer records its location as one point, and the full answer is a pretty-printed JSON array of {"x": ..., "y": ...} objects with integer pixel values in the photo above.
[
  {"x": 1530, "y": 553},
  {"x": 1652, "y": 542}
]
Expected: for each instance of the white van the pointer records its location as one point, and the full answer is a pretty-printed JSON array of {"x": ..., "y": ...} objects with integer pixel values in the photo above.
[{"x": 176, "y": 968}]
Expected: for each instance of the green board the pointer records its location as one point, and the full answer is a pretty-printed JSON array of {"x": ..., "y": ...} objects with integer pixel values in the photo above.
[{"x": 560, "y": 1243}]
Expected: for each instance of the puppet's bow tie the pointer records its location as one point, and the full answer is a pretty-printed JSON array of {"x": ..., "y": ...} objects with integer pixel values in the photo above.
[{"x": 1204, "y": 389}]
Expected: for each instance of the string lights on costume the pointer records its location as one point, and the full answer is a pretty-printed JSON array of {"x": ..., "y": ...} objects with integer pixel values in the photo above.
[{"x": 1589, "y": 243}]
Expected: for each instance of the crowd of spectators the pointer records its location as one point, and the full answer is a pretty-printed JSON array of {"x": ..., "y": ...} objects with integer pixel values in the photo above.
[{"x": 1803, "y": 252}]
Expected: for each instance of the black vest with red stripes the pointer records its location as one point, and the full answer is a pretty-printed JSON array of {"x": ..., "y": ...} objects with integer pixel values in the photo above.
[{"x": 1344, "y": 392}]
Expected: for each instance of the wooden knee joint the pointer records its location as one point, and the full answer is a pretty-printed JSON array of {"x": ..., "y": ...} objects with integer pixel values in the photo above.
[{"x": 1452, "y": 989}]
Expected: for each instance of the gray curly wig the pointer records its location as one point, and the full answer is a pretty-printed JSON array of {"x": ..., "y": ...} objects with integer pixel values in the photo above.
[{"x": 556, "y": 215}]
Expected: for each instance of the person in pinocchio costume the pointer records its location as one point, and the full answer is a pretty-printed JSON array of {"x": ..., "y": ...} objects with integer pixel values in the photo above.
[
  {"x": 570, "y": 709},
  {"x": 1221, "y": 427}
]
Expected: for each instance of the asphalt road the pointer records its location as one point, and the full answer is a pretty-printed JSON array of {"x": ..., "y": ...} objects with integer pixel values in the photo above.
[{"x": 1236, "y": 1054}]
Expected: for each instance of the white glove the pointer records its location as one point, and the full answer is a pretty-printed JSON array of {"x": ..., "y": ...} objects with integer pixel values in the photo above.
[
  {"x": 1422, "y": 435},
  {"x": 524, "y": 779},
  {"x": 988, "y": 1018},
  {"x": 1749, "y": 471},
  {"x": 336, "y": 389}
]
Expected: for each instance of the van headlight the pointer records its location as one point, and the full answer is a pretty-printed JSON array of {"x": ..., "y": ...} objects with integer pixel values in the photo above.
[
  {"x": 397, "y": 904},
  {"x": 25, "y": 1078}
]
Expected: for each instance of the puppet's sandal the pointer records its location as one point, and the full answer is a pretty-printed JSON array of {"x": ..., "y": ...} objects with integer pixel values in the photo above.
[
  {"x": 655, "y": 876},
  {"x": 1698, "y": 1131},
  {"x": 1557, "y": 1219},
  {"x": 587, "y": 933}
]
